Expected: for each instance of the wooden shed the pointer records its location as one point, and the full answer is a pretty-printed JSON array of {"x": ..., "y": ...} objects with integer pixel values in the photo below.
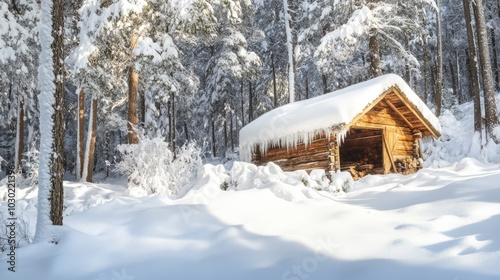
[{"x": 369, "y": 128}]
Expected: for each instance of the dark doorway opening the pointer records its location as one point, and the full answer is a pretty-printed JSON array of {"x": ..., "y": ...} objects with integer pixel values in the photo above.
[{"x": 361, "y": 151}]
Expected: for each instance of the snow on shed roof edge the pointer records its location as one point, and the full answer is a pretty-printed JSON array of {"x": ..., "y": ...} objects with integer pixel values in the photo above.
[{"x": 300, "y": 121}]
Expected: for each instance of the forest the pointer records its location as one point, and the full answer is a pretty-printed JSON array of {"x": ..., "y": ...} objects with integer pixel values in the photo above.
[{"x": 81, "y": 81}]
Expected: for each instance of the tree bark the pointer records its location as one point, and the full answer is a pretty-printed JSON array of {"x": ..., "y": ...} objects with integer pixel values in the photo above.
[
  {"x": 495, "y": 59},
  {"x": 439, "y": 79},
  {"x": 242, "y": 105},
  {"x": 426, "y": 63},
  {"x": 473, "y": 68},
  {"x": 275, "y": 92},
  {"x": 133, "y": 96},
  {"x": 20, "y": 134},
  {"x": 186, "y": 132},
  {"x": 143, "y": 109},
  {"x": 172, "y": 97},
  {"x": 214, "y": 149},
  {"x": 81, "y": 134},
  {"x": 374, "y": 54},
  {"x": 57, "y": 194},
  {"x": 231, "y": 133},
  {"x": 307, "y": 87},
  {"x": 491, "y": 117},
  {"x": 91, "y": 153},
  {"x": 291, "y": 53},
  {"x": 250, "y": 102}
]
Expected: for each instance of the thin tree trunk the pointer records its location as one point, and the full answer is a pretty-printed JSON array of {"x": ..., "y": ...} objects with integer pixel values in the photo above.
[
  {"x": 143, "y": 109},
  {"x": 291, "y": 53},
  {"x": 214, "y": 149},
  {"x": 81, "y": 134},
  {"x": 459, "y": 79},
  {"x": 324, "y": 79},
  {"x": 439, "y": 85},
  {"x": 133, "y": 95},
  {"x": 307, "y": 87},
  {"x": 473, "y": 68},
  {"x": 91, "y": 147},
  {"x": 250, "y": 102},
  {"x": 242, "y": 105},
  {"x": 88, "y": 143},
  {"x": 172, "y": 97},
  {"x": 20, "y": 135},
  {"x": 275, "y": 92},
  {"x": 426, "y": 63},
  {"x": 225, "y": 133},
  {"x": 495, "y": 59},
  {"x": 231, "y": 132},
  {"x": 491, "y": 117},
  {"x": 107, "y": 152},
  {"x": 186, "y": 132}
]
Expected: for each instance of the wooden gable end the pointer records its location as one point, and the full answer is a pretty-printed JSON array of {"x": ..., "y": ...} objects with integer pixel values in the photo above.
[{"x": 392, "y": 108}]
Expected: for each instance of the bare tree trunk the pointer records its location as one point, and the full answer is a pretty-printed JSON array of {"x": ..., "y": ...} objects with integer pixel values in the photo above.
[
  {"x": 250, "y": 102},
  {"x": 307, "y": 87},
  {"x": 491, "y": 117},
  {"x": 143, "y": 109},
  {"x": 439, "y": 80},
  {"x": 214, "y": 148},
  {"x": 57, "y": 194},
  {"x": 172, "y": 97},
  {"x": 20, "y": 135},
  {"x": 374, "y": 54},
  {"x": 133, "y": 96},
  {"x": 324, "y": 79},
  {"x": 81, "y": 134},
  {"x": 291, "y": 52},
  {"x": 275, "y": 92},
  {"x": 495, "y": 59},
  {"x": 473, "y": 68},
  {"x": 91, "y": 152},
  {"x": 426, "y": 63},
  {"x": 225, "y": 133},
  {"x": 186, "y": 132},
  {"x": 242, "y": 105},
  {"x": 231, "y": 132},
  {"x": 459, "y": 80}
]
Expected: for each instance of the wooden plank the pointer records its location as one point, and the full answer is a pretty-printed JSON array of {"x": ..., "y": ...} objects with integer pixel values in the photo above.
[
  {"x": 390, "y": 156},
  {"x": 410, "y": 106},
  {"x": 283, "y": 154},
  {"x": 399, "y": 113},
  {"x": 303, "y": 159}
]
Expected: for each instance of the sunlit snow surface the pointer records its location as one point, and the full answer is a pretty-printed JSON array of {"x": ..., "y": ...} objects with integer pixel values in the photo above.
[{"x": 435, "y": 224}]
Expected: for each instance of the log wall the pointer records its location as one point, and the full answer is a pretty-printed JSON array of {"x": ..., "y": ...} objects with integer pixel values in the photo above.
[{"x": 313, "y": 156}]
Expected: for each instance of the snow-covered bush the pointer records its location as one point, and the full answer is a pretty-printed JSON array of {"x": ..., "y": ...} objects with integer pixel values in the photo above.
[
  {"x": 23, "y": 235},
  {"x": 341, "y": 181},
  {"x": 152, "y": 167}
]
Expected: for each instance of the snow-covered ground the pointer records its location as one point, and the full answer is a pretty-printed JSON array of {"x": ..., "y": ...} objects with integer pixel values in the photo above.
[
  {"x": 440, "y": 223},
  {"x": 436, "y": 224}
]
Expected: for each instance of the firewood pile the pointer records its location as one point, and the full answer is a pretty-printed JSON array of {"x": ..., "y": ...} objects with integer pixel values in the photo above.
[{"x": 408, "y": 165}]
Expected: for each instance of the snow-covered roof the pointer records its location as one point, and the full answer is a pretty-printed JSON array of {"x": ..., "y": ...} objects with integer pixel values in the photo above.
[{"x": 299, "y": 122}]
